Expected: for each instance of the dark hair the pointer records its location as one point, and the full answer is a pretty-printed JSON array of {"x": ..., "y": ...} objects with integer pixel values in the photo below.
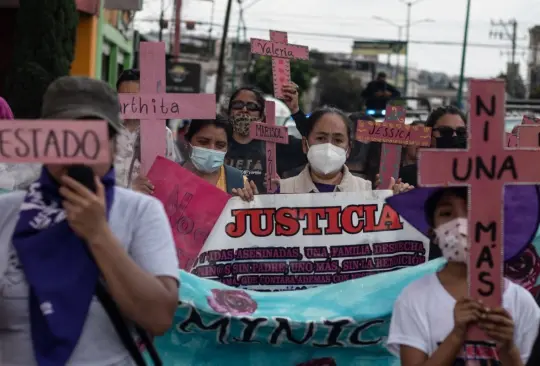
[
  {"x": 319, "y": 113},
  {"x": 198, "y": 124},
  {"x": 442, "y": 111},
  {"x": 433, "y": 200},
  {"x": 381, "y": 75},
  {"x": 259, "y": 97},
  {"x": 128, "y": 75}
]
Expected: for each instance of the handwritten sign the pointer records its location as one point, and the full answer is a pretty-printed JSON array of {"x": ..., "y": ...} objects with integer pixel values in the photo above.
[
  {"x": 281, "y": 53},
  {"x": 528, "y": 135},
  {"x": 54, "y": 142},
  {"x": 272, "y": 135},
  {"x": 192, "y": 205},
  {"x": 153, "y": 106},
  {"x": 393, "y": 133},
  {"x": 485, "y": 168}
]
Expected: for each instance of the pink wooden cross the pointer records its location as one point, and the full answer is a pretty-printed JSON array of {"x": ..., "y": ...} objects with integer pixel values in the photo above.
[
  {"x": 54, "y": 142},
  {"x": 281, "y": 53},
  {"x": 528, "y": 135},
  {"x": 272, "y": 135},
  {"x": 485, "y": 168},
  {"x": 394, "y": 134},
  {"x": 530, "y": 120},
  {"x": 153, "y": 105}
]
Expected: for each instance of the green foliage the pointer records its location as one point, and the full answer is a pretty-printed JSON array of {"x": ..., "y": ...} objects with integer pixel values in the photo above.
[
  {"x": 261, "y": 74},
  {"x": 535, "y": 93},
  {"x": 338, "y": 88},
  {"x": 44, "y": 50}
]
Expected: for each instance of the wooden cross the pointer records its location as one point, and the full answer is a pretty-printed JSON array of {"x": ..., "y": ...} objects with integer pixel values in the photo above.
[
  {"x": 281, "y": 53},
  {"x": 153, "y": 105},
  {"x": 530, "y": 120},
  {"x": 272, "y": 135},
  {"x": 54, "y": 142},
  {"x": 394, "y": 134},
  {"x": 485, "y": 168},
  {"x": 528, "y": 135}
]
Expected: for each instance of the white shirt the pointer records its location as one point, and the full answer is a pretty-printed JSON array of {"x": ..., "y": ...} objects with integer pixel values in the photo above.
[
  {"x": 125, "y": 142},
  {"x": 423, "y": 318},
  {"x": 140, "y": 224}
]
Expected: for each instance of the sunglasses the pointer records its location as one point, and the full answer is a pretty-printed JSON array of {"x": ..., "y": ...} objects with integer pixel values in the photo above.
[
  {"x": 449, "y": 131},
  {"x": 250, "y": 106}
]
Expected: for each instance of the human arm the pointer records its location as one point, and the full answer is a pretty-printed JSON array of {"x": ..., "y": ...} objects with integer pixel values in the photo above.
[
  {"x": 291, "y": 95},
  {"x": 247, "y": 193},
  {"x": 368, "y": 92},
  {"x": 143, "y": 282},
  {"x": 394, "y": 93}
]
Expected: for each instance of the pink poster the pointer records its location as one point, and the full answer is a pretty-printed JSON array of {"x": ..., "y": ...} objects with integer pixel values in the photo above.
[{"x": 192, "y": 205}]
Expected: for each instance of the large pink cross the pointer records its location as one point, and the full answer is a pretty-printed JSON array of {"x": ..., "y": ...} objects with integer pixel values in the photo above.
[
  {"x": 393, "y": 133},
  {"x": 153, "y": 105},
  {"x": 281, "y": 53},
  {"x": 54, "y": 142},
  {"x": 485, "y": 168},
  {"x": 272, "y": 135}
]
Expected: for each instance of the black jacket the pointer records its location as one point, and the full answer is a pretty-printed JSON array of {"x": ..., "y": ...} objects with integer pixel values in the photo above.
[{"x": 374, "y": 102}]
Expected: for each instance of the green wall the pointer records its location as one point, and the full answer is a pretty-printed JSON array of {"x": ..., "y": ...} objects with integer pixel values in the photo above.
[{"x": 111, "y": 38}]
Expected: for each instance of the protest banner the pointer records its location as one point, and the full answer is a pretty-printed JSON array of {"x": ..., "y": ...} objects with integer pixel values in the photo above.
[
  {"x": 281, "y": 52},
  {"x": 54, "y": 142},
  {"x": 297, "y": 241},
  {"x": 153, "y": 105},
  {"x": 192, "y": 205},
  {"x": 393, "y": 133},
  {"x": 485, "y": 168},
  {"x": 339, "y": 324},
  {"x": 272, "y": 135}
]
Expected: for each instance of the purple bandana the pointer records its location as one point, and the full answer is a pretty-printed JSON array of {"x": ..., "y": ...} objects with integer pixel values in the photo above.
[{"x": 62, "y": 276}]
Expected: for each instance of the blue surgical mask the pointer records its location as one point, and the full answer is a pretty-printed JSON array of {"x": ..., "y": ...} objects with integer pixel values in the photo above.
[{"x": 206, "y": 160}]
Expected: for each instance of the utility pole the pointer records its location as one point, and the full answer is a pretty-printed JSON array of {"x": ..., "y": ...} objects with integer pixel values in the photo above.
[
  {"x": 463, "y": 56},
  {"x": 221, "y": 62},
  {"x": 237, "y": 42},
  {"x": 177, "y": 14},
  {"x": 407, "y": 36},
  {"x": 162, "y": 22},
  {"x": 507, "y": 30}
]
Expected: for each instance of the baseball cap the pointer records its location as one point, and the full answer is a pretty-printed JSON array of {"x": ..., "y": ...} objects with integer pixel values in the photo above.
[{"x": 75, "y": 97}]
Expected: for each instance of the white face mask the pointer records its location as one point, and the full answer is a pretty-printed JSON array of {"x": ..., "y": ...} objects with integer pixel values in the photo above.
[
  {"x": 206, "y": 160},
  {"x": 453, "y": 239},
  {"x": 326, "y": 158}
]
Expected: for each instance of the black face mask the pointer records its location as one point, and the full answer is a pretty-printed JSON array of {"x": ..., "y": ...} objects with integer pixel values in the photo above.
[{"x": 451, "y": 142}]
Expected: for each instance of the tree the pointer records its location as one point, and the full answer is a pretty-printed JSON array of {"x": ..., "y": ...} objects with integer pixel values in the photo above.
[
  {"x": 44, "y": 50},
  {"x": 338, "y": 88},
  {"x": 515, "y": 91},
  {"x": 261, "y": 74}
]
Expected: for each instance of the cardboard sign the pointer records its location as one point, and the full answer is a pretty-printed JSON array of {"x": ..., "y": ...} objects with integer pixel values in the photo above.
[
  {"x": 485, "y": 167},
  {"x": 528, "y": 135},
  {"x": 54, "y": 142},
  {"x": 393, "y": 133},
  {"x": 271, "y": 134},
  {"x": 153, "y": 106},
  {"x": 192, "y": 204},
  {"x": 281, "y": 52}
]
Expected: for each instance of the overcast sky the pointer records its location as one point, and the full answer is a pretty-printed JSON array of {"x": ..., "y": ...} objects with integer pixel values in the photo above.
[{"x": 331, "y": 25}]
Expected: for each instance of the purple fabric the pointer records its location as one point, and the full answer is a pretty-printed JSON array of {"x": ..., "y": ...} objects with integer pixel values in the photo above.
[
  {"x": 62, "y": 276},
  {"x": 5, "y": 110},
  {"x": 521, "y": 214}
]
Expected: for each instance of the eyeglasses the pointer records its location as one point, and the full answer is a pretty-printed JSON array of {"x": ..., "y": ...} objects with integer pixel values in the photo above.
[
  {"x": 250, "y": 106},
  {"x": 446, "y": 131}
]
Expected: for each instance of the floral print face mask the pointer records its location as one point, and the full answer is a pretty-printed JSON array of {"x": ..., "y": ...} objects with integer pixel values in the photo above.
[
  {"x": 241, "y": 123},
  {"x": 452, "y": 238}
]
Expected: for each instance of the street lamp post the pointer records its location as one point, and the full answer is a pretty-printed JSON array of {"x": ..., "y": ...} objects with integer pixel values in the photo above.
[
  {"x": 400, "y": 31},
  {"x": 463, "y": 56}
]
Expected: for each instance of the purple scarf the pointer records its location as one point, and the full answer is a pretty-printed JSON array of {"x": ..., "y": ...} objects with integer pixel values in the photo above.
[
  {"x": 5, "y": 110},
  {"x": 61, "y": 275}
]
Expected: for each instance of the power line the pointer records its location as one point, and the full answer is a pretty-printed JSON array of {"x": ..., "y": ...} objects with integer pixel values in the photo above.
[{"x": 349, "y": 37}]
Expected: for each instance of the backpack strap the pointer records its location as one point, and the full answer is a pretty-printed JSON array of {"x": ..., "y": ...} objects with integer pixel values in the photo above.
[{"x": 233, "y": 178}]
